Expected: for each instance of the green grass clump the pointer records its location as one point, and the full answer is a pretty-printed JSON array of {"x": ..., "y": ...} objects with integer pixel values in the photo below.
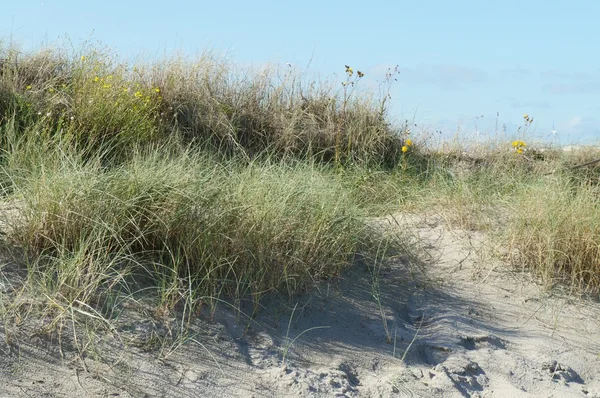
[
  {"x": 106, "y": 106},
  {"x": 192, "y": 224},
  {"x": 555, "y": 229},
  {"x": 109, "y": 108}
]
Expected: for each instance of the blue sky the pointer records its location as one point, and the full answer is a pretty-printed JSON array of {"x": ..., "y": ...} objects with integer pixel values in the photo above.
[{"x": 458, "y": 60}]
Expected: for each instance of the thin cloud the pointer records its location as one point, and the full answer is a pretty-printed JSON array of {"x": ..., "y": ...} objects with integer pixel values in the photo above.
[
  {"x": 578, "y": 76},
  {"x": 575, "y": 121},
  {"x": 579, "y": 126},
  {"x": 572, "y": 88},
  {"x": 517, "y": 104},
  {"x": 445, "y": 76},
  {"x": 516, "y": 73}
]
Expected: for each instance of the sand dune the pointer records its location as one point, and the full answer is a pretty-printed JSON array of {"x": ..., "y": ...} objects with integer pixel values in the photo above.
[{"x": 466, "y": 327}]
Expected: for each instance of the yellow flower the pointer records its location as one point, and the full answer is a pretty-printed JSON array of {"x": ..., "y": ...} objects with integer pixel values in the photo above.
[
  {"x": 349, "y": 70},
  {"x": 106, "y": 85},
  {"x": 83, "y": 58},
  {"x": 404, "y": 149},
  {"x": 51, "y": 89},
  {"x": 519, "y": 146},
  {"x": 109, "y": 77},
  {"x": 408, "y": 142},
  {"x": 96, "y": 79},
  {"x": 525, "y": 116},
  {"x": 157, "y": 90},
  {"x": 138, "y": 94},
  {"x": 28, "y": 88},
  {"x": 360, "y": 74}
]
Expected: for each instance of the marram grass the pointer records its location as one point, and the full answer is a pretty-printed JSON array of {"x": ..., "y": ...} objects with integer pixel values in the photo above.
[{"x": 198, "y": 180}]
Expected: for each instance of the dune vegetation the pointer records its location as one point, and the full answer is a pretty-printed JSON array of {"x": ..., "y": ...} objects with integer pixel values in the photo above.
[{"x": 197, "y": 181}]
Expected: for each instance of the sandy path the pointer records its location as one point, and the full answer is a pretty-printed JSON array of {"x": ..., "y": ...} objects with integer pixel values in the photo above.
[{"x": 480, "y": 331}]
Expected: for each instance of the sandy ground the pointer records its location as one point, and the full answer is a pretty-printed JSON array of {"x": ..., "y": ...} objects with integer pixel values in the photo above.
[{"x": 468, "y": 328}]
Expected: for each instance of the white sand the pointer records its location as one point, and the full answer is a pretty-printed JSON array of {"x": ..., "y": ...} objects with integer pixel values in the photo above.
[{"x": 481, "y": 331}]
